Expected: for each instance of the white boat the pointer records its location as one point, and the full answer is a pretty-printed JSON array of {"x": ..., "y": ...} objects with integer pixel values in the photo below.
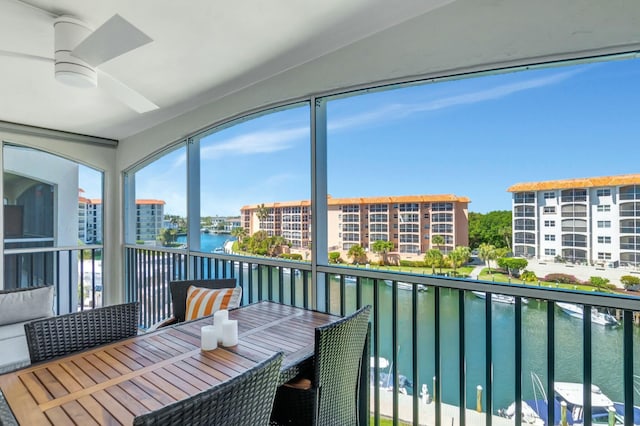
[
  {"x": 597, "y": 317},
  {"x": 501, "y": 298},
  {"x": 535, "y": 411},
  {"x": 406, "y": 286},
  {"x": 287, "y": 271},
  {"x": 347, "y": 279}
]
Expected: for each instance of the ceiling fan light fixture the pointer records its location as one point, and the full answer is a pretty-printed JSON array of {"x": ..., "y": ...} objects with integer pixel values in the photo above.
[
  {"x": 70, "y": 70},
  {"x": 76, "y": 79}
]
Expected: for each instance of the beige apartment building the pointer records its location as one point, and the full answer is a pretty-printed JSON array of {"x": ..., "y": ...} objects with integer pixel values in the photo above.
[
  {"x": 593, "y": 220},
  {"x": 408, "y": 221}
]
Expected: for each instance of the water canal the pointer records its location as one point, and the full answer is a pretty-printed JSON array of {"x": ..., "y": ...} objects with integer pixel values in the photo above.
[{"x": 607, "y": 356}]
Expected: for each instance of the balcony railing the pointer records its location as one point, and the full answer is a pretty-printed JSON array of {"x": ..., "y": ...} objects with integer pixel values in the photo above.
[
  {"x": 446, "y": 339},
  {"x": 75, "y": 272}
]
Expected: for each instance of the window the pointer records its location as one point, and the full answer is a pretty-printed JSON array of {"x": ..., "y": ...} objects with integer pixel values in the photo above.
[
  {"x": 409, "y": 238},
  {"x": 376, "y": 237},
  {"x": 50, "y": 202},
  {"x": 604, "y": 224},
  {"x": 409, "y": 248},
  {"x": 604, "y": 208},
  {"x": 604, "y": 240},
  {"x": 524, "y": 197},
  {"x": 549, "y": 237},
  {"x": 550, "y": 252},
  {"x": 378, "y": 227},
  {"x": 606, "y": 192},
  {"x": 409, "y": 217},
  {"x": 378, "y": 207},
  {"x": 409, "y": 207},
  {"x": 409, "y": 227},
  {"x": 378, "y": 217},
  {"x": 442, "y": 207},
  {"x": 442, "y": 217},
  {"x": 549, "y": 223},
  {"x": 441, "y": 228},
  {"x": 549, "y": 195},
  {"x": 604, "y": 256},
  {"x": 351, "y": 218},
  {"x": 549, "y": 210},
  {"x": 225, "y": 203},
  {"x": 350, "y": 208}
]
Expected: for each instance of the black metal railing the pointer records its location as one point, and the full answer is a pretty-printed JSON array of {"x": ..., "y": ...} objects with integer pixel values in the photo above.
[
  {"x": 423, "y": 325},
  {"x": 75, "y": 272}
]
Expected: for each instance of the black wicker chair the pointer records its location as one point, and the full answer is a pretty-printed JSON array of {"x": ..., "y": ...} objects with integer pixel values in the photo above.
[
  {"x": 178, "y": 291},
  {"x": 331, "y": 396},
  {"x": 6, "y": 415},
  {"x": 244, "y": 400},
  {"x": 65, "y": 334}
]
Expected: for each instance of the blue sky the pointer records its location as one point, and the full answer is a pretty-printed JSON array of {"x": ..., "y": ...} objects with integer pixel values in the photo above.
[{"x": 471, "y": 137}]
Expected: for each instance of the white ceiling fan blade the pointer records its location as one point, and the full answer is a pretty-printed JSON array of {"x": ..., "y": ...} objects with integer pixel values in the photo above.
[
  {"x": 125, "y": 94},
  {"x": 25, "y": 56},
  {"x": 113, "y": 38}
]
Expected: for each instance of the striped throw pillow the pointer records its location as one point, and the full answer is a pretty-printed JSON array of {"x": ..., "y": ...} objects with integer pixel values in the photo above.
[{"x": 202, "y": 302}]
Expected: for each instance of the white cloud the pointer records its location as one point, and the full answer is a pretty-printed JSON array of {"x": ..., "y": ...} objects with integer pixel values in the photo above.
[
  {"x": 395, "y": 111},
  {"x": 255, "y": 143}
]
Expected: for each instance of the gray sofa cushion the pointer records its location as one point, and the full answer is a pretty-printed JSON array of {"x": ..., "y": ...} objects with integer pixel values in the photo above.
[{"x": 26, "y": 304}]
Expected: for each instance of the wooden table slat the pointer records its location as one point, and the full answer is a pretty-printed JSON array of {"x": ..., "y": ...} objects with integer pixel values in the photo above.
[
  {"x": 97, "y": 411},
  {"x": 78, "y": 413}
]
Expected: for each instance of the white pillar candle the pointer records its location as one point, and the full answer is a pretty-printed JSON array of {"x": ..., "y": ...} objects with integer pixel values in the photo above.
[
  {"x": 219, "y": 317},
  {"x": 230, "y": 333},
  {"x": 208, "y": 338}
]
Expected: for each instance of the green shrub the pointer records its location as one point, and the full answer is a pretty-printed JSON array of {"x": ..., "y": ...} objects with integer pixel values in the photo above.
[
  {"x": 528, "y": 276},
  {"x": 561, "y": 278},
  {"x": 629, "y": 281},
  {"x": 334, "y": 257},
  {"x": 291, "y": 256}
]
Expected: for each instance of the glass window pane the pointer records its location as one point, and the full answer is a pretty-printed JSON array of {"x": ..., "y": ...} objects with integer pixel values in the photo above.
[
  {"x": 160, "y": 211},
  {"x": 255, "y": 185}
]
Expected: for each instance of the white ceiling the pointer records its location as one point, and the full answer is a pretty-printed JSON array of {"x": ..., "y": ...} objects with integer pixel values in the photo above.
[{"x": 203, "y": 50}]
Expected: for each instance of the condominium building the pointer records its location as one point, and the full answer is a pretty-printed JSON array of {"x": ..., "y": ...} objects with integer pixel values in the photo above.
[
  {"x": 149, "y": 219},
  {"x": 407, "y": 221},
  {"x": 588, "y": 220}
]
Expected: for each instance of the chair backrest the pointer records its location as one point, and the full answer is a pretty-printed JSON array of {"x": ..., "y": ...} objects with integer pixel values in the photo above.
[
  {"x": 179, "y": 292},
  {"x": 65, "y": 334},
  {"x": 244, "y": 400},
  {"x": 338, "y": 357}
]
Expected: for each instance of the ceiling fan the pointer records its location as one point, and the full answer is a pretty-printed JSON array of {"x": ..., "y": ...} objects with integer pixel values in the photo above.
[{"x": 79, "y": 52}]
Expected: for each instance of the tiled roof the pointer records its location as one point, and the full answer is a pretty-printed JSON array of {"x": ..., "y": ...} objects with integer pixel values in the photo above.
[
  {"x": 370, "y": 200},
  {"x": 591, "y": 182},
  {"x": 150, "y": 202}
]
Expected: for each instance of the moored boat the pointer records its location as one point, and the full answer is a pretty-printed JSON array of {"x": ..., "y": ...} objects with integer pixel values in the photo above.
[
  {"x": 406, "y": 286},
  {"x": 568, "y": 404},
  {"x": 576, "y": 311},
  {"x": 501, "y": 298}
]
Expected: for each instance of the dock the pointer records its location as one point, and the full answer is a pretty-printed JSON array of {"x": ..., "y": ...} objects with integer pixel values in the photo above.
[{"x": 450, "y": 414}]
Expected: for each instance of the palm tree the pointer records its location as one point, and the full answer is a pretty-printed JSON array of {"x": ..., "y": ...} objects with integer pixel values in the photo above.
[
  {"x": 458, "y": 256},
  {"x": 382, "y": 248},
  {"x": 240, "y": 233},
  {"x": 487, "y": 253},
  {"x": 275, "y": 243},
  {"x": 437, "y": 241},
  {"x": 356, "y": 252},
  {"x": 262, "y": 213},
  {"x": 505, "y": 232},
  {"x": 433, "y": 258}
]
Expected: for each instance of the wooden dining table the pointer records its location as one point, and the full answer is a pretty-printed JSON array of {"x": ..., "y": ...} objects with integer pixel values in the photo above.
[{"x": 112, "y": 384}]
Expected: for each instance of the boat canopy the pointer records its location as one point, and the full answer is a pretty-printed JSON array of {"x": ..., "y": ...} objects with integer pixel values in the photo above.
[{"x": 572, "y": 393}]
